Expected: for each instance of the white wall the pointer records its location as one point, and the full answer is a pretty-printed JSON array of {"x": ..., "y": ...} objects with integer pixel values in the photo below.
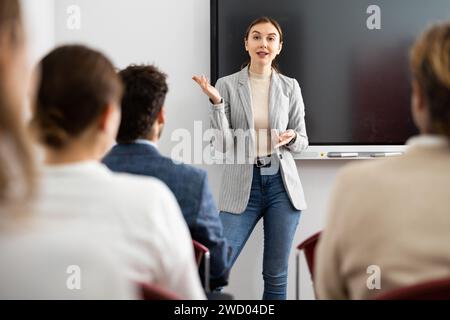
[
  {"x": 40, "y": 26},
  {"x": 174, "y": 35}
]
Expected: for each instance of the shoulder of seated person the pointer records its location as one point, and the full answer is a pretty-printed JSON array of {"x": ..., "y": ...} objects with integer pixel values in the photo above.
[
  {"x": 132, "y": 182},
  {"x": 188, "y": 168},
  {"x": 367, "y": 171},
  {"x": 194, "y": 171}
]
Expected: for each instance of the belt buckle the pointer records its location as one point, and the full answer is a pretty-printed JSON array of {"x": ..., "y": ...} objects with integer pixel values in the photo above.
[{"x": 260, "y": 162}]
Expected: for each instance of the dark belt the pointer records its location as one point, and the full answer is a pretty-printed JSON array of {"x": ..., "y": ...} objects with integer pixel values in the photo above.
[{"x": 263, "y": 162}]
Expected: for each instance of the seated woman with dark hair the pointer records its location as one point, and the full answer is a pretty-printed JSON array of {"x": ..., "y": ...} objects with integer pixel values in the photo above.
[
  {"x": 36, "y": 257},
  {"x": 389, "y": 220},
  {"x": 76, "y": 118}
]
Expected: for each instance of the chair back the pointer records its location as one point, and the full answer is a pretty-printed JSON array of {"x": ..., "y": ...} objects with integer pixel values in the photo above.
[
  {"x": 438, "y": 289},
  {"x": 309, "y": 248},
  {"x": 151, "y": 291},
  {"x": 202, "y": 252},
  {"x": 199, "y": 251}
]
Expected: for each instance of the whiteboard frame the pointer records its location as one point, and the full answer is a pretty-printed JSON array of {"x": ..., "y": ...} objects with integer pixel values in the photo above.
[{"x": 364, "y": 152}]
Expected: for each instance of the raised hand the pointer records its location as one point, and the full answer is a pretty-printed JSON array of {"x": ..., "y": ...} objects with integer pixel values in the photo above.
[{"x": 208, "y": 89}]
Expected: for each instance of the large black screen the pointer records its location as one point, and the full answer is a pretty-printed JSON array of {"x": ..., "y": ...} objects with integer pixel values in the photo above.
[{"x": 355, "y": 81}]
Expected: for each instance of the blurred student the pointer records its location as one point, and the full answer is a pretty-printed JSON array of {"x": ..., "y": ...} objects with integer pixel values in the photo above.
[
  {"x": 76, "y": 119},
  {"x": 389, "y": 220},
  {"x": 35, "y": 257},
  {"x": 143, "y": 118}
]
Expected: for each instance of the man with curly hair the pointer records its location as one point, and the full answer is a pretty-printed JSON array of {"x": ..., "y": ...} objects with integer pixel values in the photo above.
[{"x": 137, "y": 152}]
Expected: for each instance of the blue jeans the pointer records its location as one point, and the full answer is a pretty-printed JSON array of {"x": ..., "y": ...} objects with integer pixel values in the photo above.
[{"x": 270, "y": 201}]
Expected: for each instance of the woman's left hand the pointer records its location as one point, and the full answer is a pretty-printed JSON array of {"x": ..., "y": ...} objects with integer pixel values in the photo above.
[{"x": 285, "y": 138}]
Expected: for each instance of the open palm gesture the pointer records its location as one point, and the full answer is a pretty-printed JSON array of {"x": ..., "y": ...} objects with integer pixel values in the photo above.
[{"x": 208, "y": 89}]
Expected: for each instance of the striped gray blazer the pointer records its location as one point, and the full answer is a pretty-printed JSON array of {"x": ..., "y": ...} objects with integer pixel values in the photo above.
[{"x": 286, "y": 111}]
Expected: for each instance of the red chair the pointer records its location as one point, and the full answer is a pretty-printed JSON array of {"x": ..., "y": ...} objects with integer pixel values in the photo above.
[
  {"x": 154, "y": 292},
  {"x": 430, "y": 290},
  {"x": 202, "y": 252},
  {"x": 309, "y": 247}
]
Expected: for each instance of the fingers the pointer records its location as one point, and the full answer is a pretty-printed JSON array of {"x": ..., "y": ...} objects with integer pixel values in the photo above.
[
  {"x": 280, "y": 144},
  {"x": 200, "y": 79},
  {"x": 209, "y": 90},
  {"x": 284, "y": 138},
  {"x": 288, "y": 133}
]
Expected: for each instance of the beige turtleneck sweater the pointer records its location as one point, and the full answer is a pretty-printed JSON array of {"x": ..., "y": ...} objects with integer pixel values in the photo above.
[
  {"x": 391, "y": 215},
  {"x": 259, "y": 87}
]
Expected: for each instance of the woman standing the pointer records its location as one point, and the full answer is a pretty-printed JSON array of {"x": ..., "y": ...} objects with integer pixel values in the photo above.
[{"x": 260, "y": 101}]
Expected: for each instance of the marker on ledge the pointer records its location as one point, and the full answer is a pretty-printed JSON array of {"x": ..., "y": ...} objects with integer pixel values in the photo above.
[
  {"x": 342, "y": 154},
  {"x": 385, "y": 154}
]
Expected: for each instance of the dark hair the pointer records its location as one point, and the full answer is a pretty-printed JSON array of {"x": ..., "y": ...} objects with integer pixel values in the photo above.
[
  {"x": 76, "y": 85},
  {"x": 143, "y": 99},
  {"x": 17, "y": 172},
  {"x": 430, "y": 65},
  {"x": 259, "y": 21}
]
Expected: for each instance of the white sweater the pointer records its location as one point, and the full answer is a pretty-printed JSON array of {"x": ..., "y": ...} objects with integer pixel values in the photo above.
[
  {"x": 44, "y": 262},
  {"x": 136, "y": 217}
]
